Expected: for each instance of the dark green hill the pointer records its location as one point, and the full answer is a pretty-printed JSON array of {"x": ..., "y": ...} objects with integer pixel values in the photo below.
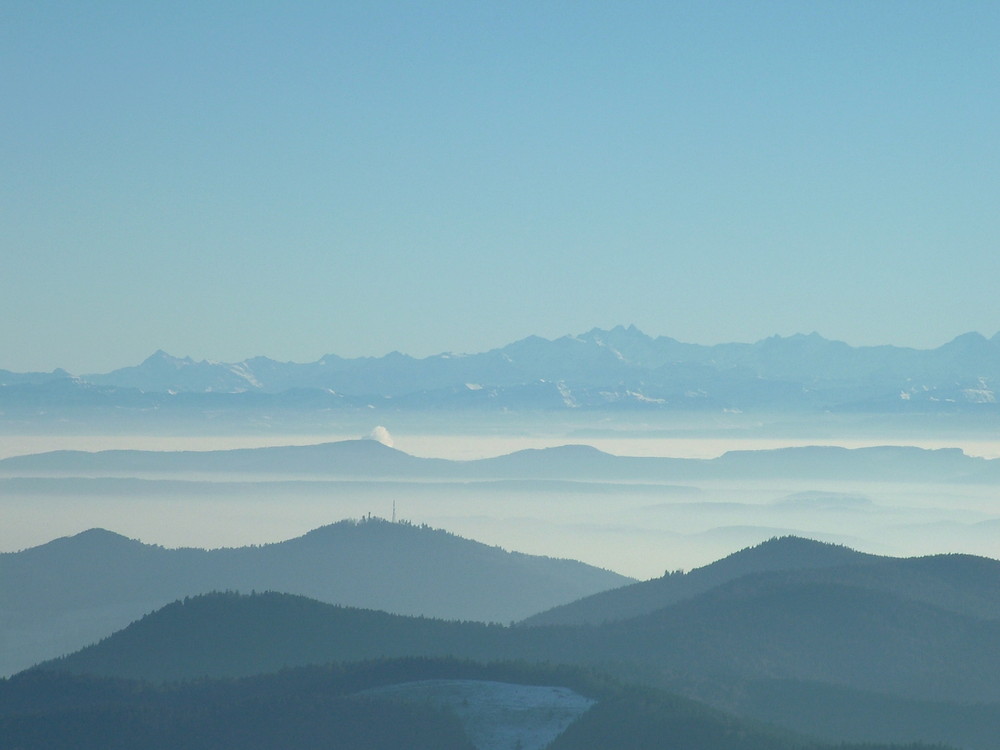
[
  {"x": 963, "y": 584},
  {"x": 774, "y": 625},
  {"x": 232, "y": 635},
  {"x": 766, "y": 626},
  {"x": 795, "y": 625},
  {"x": 784, "y": 553},
  {"x": 49, "y": 711},
  {"x": 63, "y": 595},
  {"x": 323, "y": 707},
  {"x": 915, "y": 633},
  {"x": 837, "y": 713}
]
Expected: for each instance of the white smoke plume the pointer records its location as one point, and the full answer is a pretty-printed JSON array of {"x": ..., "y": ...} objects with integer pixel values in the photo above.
[{"x": 381, "y": 434}]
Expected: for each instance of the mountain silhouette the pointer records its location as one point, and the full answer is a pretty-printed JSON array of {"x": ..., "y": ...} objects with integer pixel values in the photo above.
[
  {"x": 784, "y": 553},
  {"x": 379, "y": 705},
  {"x": 371, "y": 459},
  {"x": 65, "y": 594},
  {"x": 788, "y": 623},
  {"x": 620, "y": 368},
  {"x": 767, "y": 629}
]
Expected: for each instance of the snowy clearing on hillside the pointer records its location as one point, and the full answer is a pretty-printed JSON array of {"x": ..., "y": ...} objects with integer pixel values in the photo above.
[{"x": 498, "y": 715}]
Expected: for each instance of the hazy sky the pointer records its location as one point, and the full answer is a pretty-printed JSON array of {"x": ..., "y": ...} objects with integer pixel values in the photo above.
[{"x": 227, "y": 179}]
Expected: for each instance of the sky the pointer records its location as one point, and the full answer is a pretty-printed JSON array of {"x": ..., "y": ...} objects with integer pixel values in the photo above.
[{"x": 238, "y": 178}]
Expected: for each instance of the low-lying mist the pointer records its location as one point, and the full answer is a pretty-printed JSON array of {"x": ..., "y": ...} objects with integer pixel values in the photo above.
[{"x": 636, "y": 528}]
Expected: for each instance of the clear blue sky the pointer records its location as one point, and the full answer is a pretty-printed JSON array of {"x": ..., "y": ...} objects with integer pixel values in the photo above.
[{"x": 227, "y": 179}]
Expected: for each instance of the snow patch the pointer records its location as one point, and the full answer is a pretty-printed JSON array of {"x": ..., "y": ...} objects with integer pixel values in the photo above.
[
  {"x": 498, "y": 715},
  {"x": 644, "y": 398},
  {"x": 242, "y": 371},
  {"x": 567, "y": 395},
  {"x": 979, "y": 395}
]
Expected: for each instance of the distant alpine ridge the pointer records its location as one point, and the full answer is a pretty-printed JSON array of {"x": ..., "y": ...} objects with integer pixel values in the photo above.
[{"x": 621, "y": 368}]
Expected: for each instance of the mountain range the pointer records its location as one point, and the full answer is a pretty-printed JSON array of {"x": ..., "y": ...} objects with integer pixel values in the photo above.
[
  {"x": 370, "y": 459},
  {"x": 799, "y": 633},
  {"x": 62, "y": 595},
  {"x": 621, "y": 368}
]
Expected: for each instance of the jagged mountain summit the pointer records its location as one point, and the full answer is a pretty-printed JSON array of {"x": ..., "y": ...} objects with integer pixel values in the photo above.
[{"x": 607, "y": 369}]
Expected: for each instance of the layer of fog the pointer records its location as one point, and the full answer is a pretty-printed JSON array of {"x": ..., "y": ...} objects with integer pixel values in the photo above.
[
  {"x": 636, "y": 530},
  {"x": 639, "y": 531}
]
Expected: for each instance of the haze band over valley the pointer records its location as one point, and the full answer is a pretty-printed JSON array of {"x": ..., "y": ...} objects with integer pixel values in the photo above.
[{"x": 596, "y": 447}]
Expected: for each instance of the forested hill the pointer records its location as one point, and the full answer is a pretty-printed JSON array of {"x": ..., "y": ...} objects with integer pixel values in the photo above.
[
  {"x": 962, "y": 584},
  {"x": 921, "y": 635},
  {"x": 785, "y": 553},
  {"x": 773, "y": 625},
  {"x": 333, "y": 707},
  {"x": 233, "y": 635},
  {"x": 63, "y": 595}
]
